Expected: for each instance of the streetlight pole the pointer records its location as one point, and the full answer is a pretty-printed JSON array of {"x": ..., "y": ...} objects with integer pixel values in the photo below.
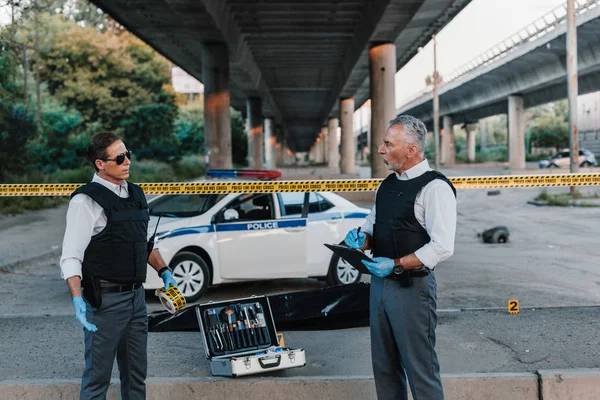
[
  {"x": 436, "y": 107},
  {"x": 573, "y": 88}
]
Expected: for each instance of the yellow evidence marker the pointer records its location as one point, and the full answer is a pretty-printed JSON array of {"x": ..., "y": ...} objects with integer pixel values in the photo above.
[{"x": 513, "y": 306}]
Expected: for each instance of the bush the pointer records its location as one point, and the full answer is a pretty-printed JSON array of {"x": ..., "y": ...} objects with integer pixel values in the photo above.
[
  {"x": 536, "y": 157},
  {"x": 495, "y": 155},
  {"x": 16, "y": 128},
  {"x": 149, "y": 133},
  {"x": 190, "y": 167},
  {"x": 61, "y": 142}
]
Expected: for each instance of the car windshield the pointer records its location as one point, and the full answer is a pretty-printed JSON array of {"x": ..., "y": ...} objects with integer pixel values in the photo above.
[{"x": 183, "y": 205}]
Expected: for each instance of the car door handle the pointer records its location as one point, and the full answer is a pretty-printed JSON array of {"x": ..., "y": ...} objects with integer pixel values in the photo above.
[
  {"x": 332, "y": 221},
  {"x": 300, "y": 229}
]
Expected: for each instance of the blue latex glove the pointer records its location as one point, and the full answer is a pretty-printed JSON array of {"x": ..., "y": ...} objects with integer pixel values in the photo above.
[
  {"x": 168, "y": 279},
  {"x": 355, "y": 239},
  {"x": 382, "y": 266},
  {"x": 80, "y": 307}
]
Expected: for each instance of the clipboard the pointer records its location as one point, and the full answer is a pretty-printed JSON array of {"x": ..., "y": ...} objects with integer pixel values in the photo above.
[{"x": 352, "y": 256}]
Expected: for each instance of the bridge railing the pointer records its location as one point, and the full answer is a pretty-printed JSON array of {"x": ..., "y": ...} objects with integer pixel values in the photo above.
[{"x": 533, "y": 31}]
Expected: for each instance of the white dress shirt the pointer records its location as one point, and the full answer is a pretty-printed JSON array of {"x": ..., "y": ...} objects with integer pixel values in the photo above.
[
  {"x": 85, "y": 218},
  {"x": 435, "y": 210}
]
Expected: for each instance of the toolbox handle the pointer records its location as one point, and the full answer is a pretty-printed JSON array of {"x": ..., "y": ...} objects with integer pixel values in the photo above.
[{"x": 271, "y": 364}]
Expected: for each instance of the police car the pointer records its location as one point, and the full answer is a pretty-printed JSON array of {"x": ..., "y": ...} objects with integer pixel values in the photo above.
[{"x": 213, "y": 239}]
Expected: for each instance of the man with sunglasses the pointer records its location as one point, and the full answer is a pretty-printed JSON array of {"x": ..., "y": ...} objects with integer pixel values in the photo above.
[{"x": 105, "y": 252}]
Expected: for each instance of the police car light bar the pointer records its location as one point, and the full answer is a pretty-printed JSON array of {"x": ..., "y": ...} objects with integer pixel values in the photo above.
[{"x": 243, "y": 173}]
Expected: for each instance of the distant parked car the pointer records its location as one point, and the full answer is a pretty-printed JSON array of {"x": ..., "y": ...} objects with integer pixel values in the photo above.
[{"x": 562, "y": 159}]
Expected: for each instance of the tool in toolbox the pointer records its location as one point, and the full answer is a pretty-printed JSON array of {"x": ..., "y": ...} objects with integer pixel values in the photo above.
[{"x": 240, "y": 338}]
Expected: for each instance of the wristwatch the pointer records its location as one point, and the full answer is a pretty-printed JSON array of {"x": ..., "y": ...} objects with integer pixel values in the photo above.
[
  {"x": 398, "y": 268},
  {"x": 162, "y": 270}
]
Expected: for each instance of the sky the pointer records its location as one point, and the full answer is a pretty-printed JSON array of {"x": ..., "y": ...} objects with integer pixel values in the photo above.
[{"x": 478, "y": 27}]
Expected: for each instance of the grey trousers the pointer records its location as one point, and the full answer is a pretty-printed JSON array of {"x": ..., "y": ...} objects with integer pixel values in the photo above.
[
  {"x": 403, "y": 322},
  {"x": 122, "y": 322}
]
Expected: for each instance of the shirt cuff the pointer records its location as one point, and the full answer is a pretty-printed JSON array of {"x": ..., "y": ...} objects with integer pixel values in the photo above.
[
  {"x": 367, "y": 229},
  {"x": 70, "y": 267},
  {"x": 427, "y": 256}
]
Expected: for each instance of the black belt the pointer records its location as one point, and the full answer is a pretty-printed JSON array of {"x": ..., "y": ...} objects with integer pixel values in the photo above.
[
  {"x": 418, "y": 273},
  {"x": 113, "y": 287},
  {"x": 405, "y": 277}
]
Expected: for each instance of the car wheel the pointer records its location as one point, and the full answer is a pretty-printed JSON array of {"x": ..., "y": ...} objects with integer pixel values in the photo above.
[
  {"x": 341, "y": 273},
  {"x": 552, "y": 166},
  {"x": 585, "y": 164},
  {"x": 191, "y": 274}
]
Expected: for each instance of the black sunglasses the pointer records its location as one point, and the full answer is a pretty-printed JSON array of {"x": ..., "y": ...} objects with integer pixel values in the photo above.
[{"x": 120, "y": 159}]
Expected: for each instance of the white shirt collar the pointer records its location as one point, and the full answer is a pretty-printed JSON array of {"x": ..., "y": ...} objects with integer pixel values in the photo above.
[
  {"x": 119, "y": 189},
  {"x": 415, "y": 171}
]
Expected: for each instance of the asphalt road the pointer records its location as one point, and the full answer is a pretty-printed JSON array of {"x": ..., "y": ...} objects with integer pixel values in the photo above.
[{"x": 551, "y": 260}]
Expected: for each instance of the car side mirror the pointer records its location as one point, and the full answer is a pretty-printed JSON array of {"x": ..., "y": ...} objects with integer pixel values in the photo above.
[{"x": 231, "y": 214}]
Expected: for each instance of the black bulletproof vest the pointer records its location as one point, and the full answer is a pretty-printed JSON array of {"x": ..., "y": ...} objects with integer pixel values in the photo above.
[
  {"x": 397, "y": 232},
  {"x": 118, "y": 253}
]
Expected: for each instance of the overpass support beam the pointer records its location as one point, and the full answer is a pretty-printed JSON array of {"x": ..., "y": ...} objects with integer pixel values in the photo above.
[
  {"x": 448, "y": 150},
  {"x": 332, "y": 128},
  {"x": 217, "y": 118},
  {"x": 269, "y": 143},
  {"x": 516, "y": 132},
  {"x": 321, "y": 147},
  {"x": 324, "y": 144},
  {"x": 255, "y": 133},
  {"x": 348, "y": 142},
  {"x": 280, "y": 155},
  {"x": 471, "y": 142},
  {"x": 382, "y": 68}
]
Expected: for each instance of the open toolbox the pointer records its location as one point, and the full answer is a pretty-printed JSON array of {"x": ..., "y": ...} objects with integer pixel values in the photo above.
[{"x": 240, "y": 338}]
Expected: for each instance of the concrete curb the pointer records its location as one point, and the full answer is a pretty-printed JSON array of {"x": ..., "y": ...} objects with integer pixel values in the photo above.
[
  {"x": 570, "y": 384},
  {"x": 555, "y": 384},
  {"x": 8, "y": 267}
]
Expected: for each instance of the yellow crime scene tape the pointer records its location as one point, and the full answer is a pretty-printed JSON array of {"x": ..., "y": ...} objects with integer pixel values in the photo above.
[
  {"x": 171, "y": 299},
  {"x": 333, "y": 185}
]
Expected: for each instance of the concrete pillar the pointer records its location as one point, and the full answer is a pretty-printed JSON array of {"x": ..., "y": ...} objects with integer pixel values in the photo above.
[
  {"x": 255, "y": 133},
  {"x": 516, "y": 132},
  {"x": 382, "y": 68},
  {"x": 334, "y": 155},
  {"x": 318, "y": 146},
  {"x": 325, "y": 132},
  {"x": 269, "y": 143},
  {"x": 280, "y": 161},
  {"x": 217, "y": 118},
  {"x": 471, "y": 142},
  {"x": 483, "y": 128},
  {"x": 348, "y": 140},
  {"x": 448, "y": 149}
]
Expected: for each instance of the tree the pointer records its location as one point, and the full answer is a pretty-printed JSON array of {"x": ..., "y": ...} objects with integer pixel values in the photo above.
[
  {"x": 16, "y": 128},
  {"x": 189, "y": 127},
  {"x": 149, "y": 132},
  {"x": 549, "y": 126},
  {"x": 239, "y": 138},
  {"x": 105, "y": 76},
  {"x": 8, "y": 69}
]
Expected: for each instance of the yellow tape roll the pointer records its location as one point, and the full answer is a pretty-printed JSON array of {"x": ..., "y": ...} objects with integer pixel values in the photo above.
[
  {"x": 171, "y": 299},
  {"x": 349, "y": 185}
]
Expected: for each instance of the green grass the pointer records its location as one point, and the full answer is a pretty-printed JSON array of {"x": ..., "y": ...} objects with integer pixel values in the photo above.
[
  {"x": 566, "y": 199},
  {"x": 190, "y": 167}
]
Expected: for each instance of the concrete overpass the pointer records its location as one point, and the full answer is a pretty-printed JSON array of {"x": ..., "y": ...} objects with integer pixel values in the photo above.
[
  {"x": 294, "y": 64},
  {"x": 526, "y": 70}
]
